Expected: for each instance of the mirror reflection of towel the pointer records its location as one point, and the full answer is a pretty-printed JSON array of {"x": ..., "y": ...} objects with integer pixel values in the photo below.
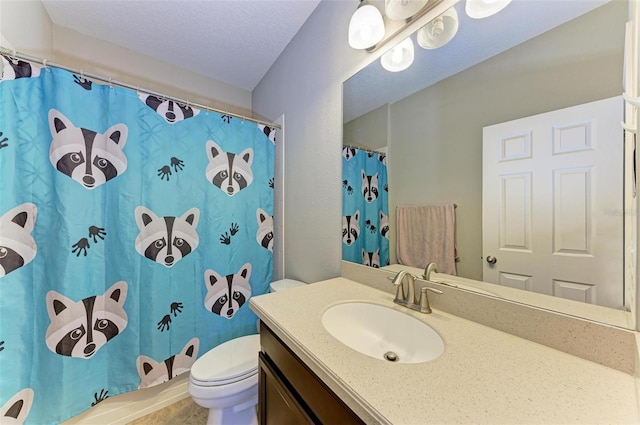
[{"x": 426, "y": 234}]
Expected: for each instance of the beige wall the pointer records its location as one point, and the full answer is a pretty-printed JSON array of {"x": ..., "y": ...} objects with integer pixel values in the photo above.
[
  {"x": 368, "y": 131},
  {"x": 437, "y": 159},
  {"x": 26, "y": 27}
]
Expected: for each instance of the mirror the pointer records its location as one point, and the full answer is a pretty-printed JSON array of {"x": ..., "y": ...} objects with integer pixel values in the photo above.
[{"x": 530, "y": 59}]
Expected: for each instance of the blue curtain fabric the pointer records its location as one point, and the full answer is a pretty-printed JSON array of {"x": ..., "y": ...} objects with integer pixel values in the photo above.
[
  {"x": 365, "y": 207},
  {"x": 133, "y": 231}
]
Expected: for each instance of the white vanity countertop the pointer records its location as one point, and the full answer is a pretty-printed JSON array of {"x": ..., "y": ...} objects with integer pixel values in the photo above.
[{"x": 484, "y": 376}]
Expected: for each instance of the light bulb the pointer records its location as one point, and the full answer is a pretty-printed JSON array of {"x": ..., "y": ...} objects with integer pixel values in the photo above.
[
  {"x": 400, "y": 57},
  {"x": 479, "y": 9},
  {"x": 366, "y": 27}
]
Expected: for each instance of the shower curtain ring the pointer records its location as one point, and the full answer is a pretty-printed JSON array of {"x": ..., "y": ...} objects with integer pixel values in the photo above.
[{"x": 110, "y": 83}]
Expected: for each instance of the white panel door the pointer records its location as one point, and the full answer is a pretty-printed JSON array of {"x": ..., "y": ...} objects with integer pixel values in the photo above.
[{"x": 553, "y": 203}]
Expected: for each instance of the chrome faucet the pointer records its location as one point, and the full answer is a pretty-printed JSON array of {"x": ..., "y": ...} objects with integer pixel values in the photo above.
[
  {"x": 408, "y": 298},
  {"x": 431, "y": 268}
]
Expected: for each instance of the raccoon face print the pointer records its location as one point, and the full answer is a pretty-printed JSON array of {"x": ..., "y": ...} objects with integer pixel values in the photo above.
[
  {"x": 348, "y": 153},
  {"x": 384, "y": 224},
  {"x": 89, "y": 158},
  {"x": 264, "y": 235},
  {"x": 152, "y": 372},
  {"x": 169, "y": 110},
  {"x": 166, "y": 240},
  {"x": 371, "y": 259},
  {"x": 226, "y": 294},
  {"x": 80, "y": 329},
  {"x": 16, "y": 409},
  {"x": 270, "y": 132},
  {"x": 369, "y": 187},
  {"x": 12, "y": 69},
  {"x": 228, "y": 171},
  {"x": 17, "y": 247},
  {"x": 350, "y": 228}
]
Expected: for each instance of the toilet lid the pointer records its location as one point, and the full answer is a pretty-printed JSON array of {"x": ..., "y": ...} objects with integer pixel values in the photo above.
[{"x": 229, "y": 362}]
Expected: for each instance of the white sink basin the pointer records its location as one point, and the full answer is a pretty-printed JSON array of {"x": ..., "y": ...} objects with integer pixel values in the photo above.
[{"x": 382, "y": 333}]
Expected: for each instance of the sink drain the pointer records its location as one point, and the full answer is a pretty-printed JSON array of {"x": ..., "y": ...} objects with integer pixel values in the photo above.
[{"x": 391, "y": 356}]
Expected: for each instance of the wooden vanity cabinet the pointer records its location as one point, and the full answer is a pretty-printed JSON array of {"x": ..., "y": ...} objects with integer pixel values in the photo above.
[{"x": 290, "y": 393}]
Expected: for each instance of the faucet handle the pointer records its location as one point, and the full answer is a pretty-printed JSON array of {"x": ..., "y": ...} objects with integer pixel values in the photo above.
[{"x": 424, "y": 299}]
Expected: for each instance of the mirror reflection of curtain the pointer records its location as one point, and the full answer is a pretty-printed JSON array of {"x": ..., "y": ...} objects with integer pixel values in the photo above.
[{"x": 365, "y": 207}]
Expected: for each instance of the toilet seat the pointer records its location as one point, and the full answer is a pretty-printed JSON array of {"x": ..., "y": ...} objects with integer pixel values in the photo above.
[{"x": 232, "y": 361}]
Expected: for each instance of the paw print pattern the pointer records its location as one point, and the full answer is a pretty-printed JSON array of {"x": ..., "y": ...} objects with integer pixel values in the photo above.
[
  {"x": 82, "y": 82},
  {"x": 272, "y": 183},
  {"x": 96, "y": 232},
  {"x": 165, "y": 322},
  {"x": 226, "y": 118},
  {"x": 178, "y": 164},
  {"x": 345, "y": 184},
  {"x": 1, "y": 345},
  {"x": 82, "y": 246},
  {"x": 102, "y": 396},
  {"x": 164, "y": 172},
  {"x": 3, "y": 141},
  {"x": 225, "y": 238}
]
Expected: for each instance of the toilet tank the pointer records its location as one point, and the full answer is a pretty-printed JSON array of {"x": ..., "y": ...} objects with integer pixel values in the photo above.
[{"x": 283, "y": 284}]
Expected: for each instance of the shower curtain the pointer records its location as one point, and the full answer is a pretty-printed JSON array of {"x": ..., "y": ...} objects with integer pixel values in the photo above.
[
  {"x": 133, "y": 231},
  {"x": 365, "y": 207}
]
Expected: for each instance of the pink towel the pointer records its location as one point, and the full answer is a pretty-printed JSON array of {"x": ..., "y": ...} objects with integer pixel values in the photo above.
[{"x": 426, "y": 234}]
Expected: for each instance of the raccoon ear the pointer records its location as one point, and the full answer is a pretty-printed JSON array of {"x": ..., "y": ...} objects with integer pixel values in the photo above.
[
  {"x": 118, "y": 292},
  {"x": 245, "y": 271},
  {"x": 192, "y": 216},
  {"x": 247, "y": 156},
  {"x": 356, "y": 215},
  {"x": 213, "y": 150},
  {"x": 191, "y": 349},
  {"x": 363, "y": 174},
  {"x": 145, "y": 365},
  {"x": 363, "y": 254},
  {"x": 58, "y": 122},
  {"x": 261, "y": 215},
  {"x": 118, "y": 134},
  {"x": 144, "y": 216},
  {"x": 211, "y": 277},
  {"x": 381, "y": 214},
  {"x": 23, "y": 215},
  {"x": 56, "y": 303},
  {"x": 18, "y": 406}
]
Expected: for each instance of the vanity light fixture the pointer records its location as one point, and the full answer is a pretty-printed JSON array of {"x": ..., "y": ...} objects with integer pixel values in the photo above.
[
  {"x": 366, "y": 27},
  {"x": 439, "y": 31},
  {"x": 479, "y": 9},
  {"x": 400, "y": 57},
  {"x": 402, "y": 9}
]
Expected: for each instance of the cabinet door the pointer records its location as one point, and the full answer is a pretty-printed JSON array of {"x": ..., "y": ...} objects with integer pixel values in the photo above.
[{"x": 279, "y": 406}]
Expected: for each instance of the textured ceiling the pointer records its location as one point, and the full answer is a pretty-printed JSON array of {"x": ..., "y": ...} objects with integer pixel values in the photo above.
[{"x": 234, "y": 41}]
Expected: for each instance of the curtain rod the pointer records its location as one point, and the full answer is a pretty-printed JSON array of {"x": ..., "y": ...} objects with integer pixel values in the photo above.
[
  {"x": 45, "y": 63},
  {"x": 362, "y": 149}
]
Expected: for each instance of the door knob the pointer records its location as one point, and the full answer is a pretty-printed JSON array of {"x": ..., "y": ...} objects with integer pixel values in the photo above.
[{"x": 491, "y": 259}]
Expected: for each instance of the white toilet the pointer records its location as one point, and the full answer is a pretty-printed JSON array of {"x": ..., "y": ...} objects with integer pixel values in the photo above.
[{"x": 225, "y": 379}]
